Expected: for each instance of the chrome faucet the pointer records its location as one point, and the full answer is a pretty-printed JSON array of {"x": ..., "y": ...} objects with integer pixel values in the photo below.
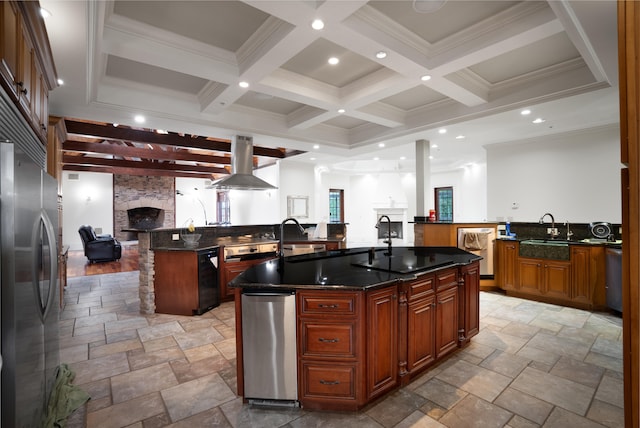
[
  {"x": 569, "y": 232},
  {"x": 388, "y": 241},
  {"x": 300, "y": 228},
  {"x": 554, "y": 231}
]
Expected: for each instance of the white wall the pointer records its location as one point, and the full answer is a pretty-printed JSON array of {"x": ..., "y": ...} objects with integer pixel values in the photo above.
[
  {"x": 257, "y": 206},
  {"x": 469, "y": 192},
  {"x": 87, "y": 200},
  {"x": 574, "y": 176},
  {"x": 189, "y": 206},
  {"x": 297, "y": 179},
  {"x": 371, "y": 191}
]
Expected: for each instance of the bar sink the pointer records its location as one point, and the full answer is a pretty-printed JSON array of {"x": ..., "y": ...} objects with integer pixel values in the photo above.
[{"x": 545, "y": 249}]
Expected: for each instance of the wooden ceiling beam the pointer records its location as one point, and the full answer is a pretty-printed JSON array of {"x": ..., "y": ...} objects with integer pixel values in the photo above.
[
  {"x": 135, "y": 152},
  {"x": 69, "y": 161},
  {"x": 171, "y": 139},
  {"x": 136, "y": 171}
]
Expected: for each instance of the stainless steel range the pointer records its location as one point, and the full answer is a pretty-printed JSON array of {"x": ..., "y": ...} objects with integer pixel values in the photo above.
[{"x": 250, "y": 251}]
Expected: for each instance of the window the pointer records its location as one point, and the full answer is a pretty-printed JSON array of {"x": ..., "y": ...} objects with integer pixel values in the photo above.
[
  {"x": 444, "y": 203},
  {"x": 336, "y": 206},
  {"x": 223, "y": 208}
]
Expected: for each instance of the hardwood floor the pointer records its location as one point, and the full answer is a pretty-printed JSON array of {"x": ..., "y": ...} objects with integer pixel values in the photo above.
[{"x": 78, "y": 264}]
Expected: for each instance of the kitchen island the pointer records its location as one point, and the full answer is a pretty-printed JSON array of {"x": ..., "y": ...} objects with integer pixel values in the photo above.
[{"x": 367, "y": 322}]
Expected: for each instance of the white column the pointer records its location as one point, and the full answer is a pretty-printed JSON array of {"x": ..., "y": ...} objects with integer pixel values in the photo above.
[{"x": 424, "y": 199}]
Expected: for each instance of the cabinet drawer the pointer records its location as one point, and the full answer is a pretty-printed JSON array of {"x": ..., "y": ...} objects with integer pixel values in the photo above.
[
  {"x": 421, "y": 287},
  {"x": 446, "y": 279},
  {"x": 329, "y": 381},
  {"x": 328, "y": 340},
  {"x": 325, "y": 303}
]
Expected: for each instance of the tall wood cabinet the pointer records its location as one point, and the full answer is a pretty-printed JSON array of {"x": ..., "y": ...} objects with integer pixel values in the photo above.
[
  {"x": 382, "y": 341},
  {"x": 27, "y": 70},
  {"x": 506, "y": 264}
]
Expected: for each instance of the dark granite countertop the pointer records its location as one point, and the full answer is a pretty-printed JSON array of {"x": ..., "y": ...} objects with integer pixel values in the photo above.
[
  {"x": 219, "y": 242},
  {"x": 615, "y": 244},
  {"x": 349, "y": 269}
]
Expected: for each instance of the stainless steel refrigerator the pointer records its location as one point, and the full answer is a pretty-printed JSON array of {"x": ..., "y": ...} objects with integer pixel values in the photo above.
[{"x": 29, "y": 308}]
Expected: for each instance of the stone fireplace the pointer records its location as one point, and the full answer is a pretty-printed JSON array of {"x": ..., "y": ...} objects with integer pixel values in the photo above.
[
  {"x": 148, "y": 201},
  {"x": 145, "y": 218}
]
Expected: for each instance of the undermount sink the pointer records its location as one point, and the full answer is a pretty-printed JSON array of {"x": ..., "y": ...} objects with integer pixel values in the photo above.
[
  {"x": 545, "y": 242},
  {"x": 545, "y": 249}
]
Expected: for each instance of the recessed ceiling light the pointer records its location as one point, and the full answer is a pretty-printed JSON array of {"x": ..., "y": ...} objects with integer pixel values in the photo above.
[
  {"x": 341, "y": 110},
  {"x": 380, "y": 145},
  {"x": 539, "y": 120},
  {"x": 442, "y": 131},
  {"x": 333, "y": 60},
  {"x": 162, "y": 131},
  {"x": 525, "y": 112},
  {"x": 243, "y": 84},
  {"x": 316, "y": 146},
  {"x": 317, "y": 24},
  {"x": 60, "y": 82},
  {"x": 115, "y": 125},
  {"x": 403, "y": 157},
  {"x": 139, "y": 119},
  {"x": 430, "y": 157},
  {"x": 44, "y": 13},
  {"x": 381, "y": 54},
  {"x": 460, "y": 137},
  {"x": 376, "y": 158},
  {"x": 425, "y": 77},
  {"x": 312, "y": 158}
]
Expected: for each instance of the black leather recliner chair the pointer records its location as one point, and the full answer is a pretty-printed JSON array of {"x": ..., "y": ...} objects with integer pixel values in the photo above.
[{"x": 99, "y": 248}]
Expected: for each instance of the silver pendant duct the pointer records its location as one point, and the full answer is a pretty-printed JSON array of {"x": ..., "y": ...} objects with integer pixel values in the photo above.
[{"x": 241, "y": 177}]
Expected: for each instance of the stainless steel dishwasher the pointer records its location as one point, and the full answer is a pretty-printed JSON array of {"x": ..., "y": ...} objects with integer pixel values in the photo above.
[{"x": 269, "y": 348}]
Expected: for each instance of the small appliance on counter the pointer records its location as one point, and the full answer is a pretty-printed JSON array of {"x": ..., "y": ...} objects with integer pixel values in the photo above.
[{"x": 601, "y": 230}]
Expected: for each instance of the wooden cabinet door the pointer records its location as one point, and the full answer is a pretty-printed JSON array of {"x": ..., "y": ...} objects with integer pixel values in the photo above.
[
  {"x": 556, "y": 279},
  {"x": 470, "y": 303},
  {"x": 382, "y": 341},
  {"x": 530, "y": 275},
  {"x": 40, "y": 98},
  {"x": 230, "y": 271},
  {"x": 10, "y": 34},
  {"x": 176, "y": 282},
  {"x": 507, "y": 264},
  {"x": 580, "y": 289},
  {"x": 421, "y": 350},
  {"x": 446, "y": 321},
  {"x": 26, "y": 71}
]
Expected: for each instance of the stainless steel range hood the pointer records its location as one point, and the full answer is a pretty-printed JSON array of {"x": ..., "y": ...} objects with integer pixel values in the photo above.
[{"x": 241, "y": 177}]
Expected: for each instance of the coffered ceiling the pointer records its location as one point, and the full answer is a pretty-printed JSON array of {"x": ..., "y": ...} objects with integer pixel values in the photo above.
[{"x": 179, "y": 63}]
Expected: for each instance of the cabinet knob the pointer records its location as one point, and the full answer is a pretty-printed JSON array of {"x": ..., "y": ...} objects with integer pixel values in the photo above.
[{"x": 24, "y": 91}]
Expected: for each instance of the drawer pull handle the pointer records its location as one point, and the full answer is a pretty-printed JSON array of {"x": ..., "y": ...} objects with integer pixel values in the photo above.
[
  {"x": 333, "y": 306},
  {"x": 322, "y": 339},
  {"x": 330, "y": 382}
]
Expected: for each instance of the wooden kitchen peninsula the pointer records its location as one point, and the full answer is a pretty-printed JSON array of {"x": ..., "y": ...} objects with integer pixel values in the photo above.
[{"x": 367, "y": 322}]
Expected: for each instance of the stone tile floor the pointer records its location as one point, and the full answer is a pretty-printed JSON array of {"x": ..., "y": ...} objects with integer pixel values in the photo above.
[{"x": 532, "y": 364}]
